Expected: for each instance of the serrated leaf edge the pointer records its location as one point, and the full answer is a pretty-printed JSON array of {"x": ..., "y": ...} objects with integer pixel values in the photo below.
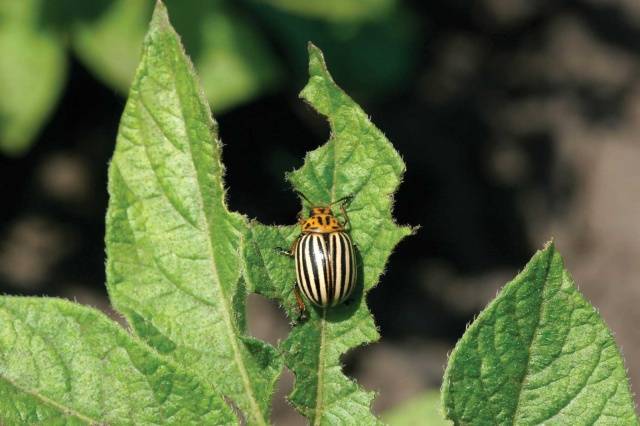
[
  {"x": 160, "y": 22},
  {"x": 134, "y": 339}
]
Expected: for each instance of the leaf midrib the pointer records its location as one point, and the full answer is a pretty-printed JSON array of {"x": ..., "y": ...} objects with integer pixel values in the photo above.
[
  {"x": 323, "y": 322},
  {"x": 257, "y": 413},
  {"x": 64, "y": 410},
  {"x": 545, "y": 281},
  {"x": 321, "y": 367}
]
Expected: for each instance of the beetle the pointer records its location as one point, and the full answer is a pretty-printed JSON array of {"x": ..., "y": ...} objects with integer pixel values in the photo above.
[{"x": 324, "y": 256}]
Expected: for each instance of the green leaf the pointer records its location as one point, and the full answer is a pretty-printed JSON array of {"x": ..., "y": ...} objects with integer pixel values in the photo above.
[
  {"x": 32, "y": 71},
  {"x": 358, "y": 160},
  {"x": 234, "y": 63},
  {"x": 538, "y": 354},
  {"x": 370, "y": 57},
  {"x": 335, "y": 10},
  {"x": 422, "y": 410},
  {"x": 62, "y": 363},
  {"x": 110, "y": 44},
  {"x": 173, "y": 247}
]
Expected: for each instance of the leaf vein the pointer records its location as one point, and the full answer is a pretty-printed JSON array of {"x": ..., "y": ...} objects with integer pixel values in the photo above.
[
  {"x": 533, "y": 336},
  {"x": 582, "y": 388},
  {"x": 226, "y": 314},
  {"x": 67, "y": 411}
]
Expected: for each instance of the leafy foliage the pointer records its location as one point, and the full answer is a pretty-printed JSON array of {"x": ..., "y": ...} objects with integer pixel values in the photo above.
[
  {"x": 27, "y": 96},
  {"x": 358, "y": 160},
  {"x": 180, "y": 265},
  {"x": 234, "y": 63},
  {"x": 173, "y": 266},
  {"x": 225, "y": 43},
  {"x": 539, "y": 353},
  {"x": 381, "y": 41},
  {"x": 63, "y": 363},
  {"x": 335, "y": 10}
]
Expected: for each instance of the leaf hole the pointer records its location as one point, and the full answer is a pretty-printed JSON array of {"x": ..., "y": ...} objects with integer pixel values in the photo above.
[
  {"x": 257, "y": 157},
  {"x": 283, "y": 412},
  {"x": 265, "y": 320}
]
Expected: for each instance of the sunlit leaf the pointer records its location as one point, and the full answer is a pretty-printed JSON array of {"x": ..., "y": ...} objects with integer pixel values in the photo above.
[
  {"x": 173, "y": 246},
  {"x": 538, "y": 354},
  {"x": 358, "y": 160},
  {"x": 62, "y": 363}
]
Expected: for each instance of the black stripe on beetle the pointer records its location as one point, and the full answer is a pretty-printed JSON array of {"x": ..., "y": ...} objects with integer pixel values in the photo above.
[
  {"x": 324, "y": 258},
  {"x": 325, "y": 267}
]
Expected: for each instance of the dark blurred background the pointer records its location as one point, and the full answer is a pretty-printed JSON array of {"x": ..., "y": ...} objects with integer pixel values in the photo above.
[{"x": 519, "y": 121}]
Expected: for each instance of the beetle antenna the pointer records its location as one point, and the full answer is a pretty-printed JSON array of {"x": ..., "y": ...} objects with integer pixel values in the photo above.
[
  {"x": 303, "y": 196},
  {"x": 347, "y": 200}
]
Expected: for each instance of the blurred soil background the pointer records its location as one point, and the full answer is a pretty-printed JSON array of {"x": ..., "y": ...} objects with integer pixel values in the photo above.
[{"x": 519, "y": 121}]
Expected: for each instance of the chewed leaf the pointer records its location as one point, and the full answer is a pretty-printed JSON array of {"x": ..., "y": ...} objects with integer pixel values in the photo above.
[
  {"x": 173, "y": 247},
  {"x": 538, "y": 354},
  {"x": 62, "y": 363},
  {"x": 267, "y": 272},
  {"x": 357, "y": 161}
]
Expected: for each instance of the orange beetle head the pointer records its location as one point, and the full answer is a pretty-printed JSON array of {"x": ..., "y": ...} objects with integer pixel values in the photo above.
[
  {"x": 315, "y": 211},
  {"x": 321, "y": 220}
]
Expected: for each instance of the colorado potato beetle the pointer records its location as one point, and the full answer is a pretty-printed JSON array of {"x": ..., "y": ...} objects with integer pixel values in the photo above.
[{"x": 324, "y": 257}]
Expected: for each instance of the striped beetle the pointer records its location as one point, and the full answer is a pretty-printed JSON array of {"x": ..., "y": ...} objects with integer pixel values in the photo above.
[{"x": 324, "y": 256}]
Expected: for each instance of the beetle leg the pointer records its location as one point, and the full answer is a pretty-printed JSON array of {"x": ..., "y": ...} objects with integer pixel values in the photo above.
[
  {"x": 343, "y": 209},
  {"x": 299, "y": 301},
  {"x": 283, "y": 251},
  {"x": 294, "y": 244},
  {"x": 301, "y": 306}
]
